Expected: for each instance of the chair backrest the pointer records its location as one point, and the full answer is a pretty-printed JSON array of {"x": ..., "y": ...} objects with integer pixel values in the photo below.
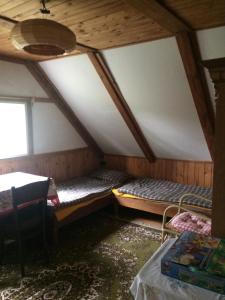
[
  {"x": 30, "y": 192},
  {"x": 30, "y": 201}
]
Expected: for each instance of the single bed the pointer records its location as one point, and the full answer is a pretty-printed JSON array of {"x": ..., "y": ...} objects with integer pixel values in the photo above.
[
  {"x": 83, "y": 195},
  {"x": 155, "y": 195}
]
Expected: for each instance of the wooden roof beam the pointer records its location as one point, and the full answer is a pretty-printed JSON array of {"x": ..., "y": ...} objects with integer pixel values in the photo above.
[
  {"x": 161, "y": 15},
  {"x": 46, "y": 84},
  {"x": 111, "y": 86},
  {"x": 190, "y": 54},
  {"x": 12, "y": 59},
  {"x": 191, "y": 57}
]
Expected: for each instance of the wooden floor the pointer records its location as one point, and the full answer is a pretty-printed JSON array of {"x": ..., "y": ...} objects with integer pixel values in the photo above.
[{"x": 136, "y": 217}]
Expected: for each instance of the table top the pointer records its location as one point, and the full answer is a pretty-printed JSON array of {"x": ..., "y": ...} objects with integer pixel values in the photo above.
[
  {"x": 18, "y": 179},
  {"x": 151, "y": 284}
]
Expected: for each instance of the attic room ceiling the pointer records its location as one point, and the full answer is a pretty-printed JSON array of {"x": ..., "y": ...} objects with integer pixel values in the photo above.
[{"x": 104, "y": 24}]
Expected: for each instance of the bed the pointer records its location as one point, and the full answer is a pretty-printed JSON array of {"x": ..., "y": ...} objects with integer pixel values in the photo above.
[
  {"x": 155, "y": 195},
  {"x": 81, "y": 196}
]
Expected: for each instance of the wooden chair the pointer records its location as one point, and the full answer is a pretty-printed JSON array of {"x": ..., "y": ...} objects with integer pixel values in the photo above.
[
  {"x": 28, "y": 218},
  {"x": 169, "y": 228}
]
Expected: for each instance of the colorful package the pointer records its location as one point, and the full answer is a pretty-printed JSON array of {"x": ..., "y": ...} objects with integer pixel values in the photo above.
[{"x": 197, "y": 259}]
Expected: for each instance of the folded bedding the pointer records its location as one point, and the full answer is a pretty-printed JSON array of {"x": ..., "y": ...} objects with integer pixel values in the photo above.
[
  {"x": 163, "y": 190},
  {"x": 115, "y": 176}
]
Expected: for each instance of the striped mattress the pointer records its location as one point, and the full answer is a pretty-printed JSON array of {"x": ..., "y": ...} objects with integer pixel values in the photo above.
[
  {"x": 163, "y": 190},
  {"x": 81, "y": 189}
]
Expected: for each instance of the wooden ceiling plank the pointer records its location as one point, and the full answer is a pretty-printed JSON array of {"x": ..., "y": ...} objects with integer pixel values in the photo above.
[
  {"x": 52, "y": 92},
  {"x": 159, "y": 14},
  {"x": 190, "y": 54},
  {"x": 111, "y": 86},
  {"x": 104, "y": 24}
]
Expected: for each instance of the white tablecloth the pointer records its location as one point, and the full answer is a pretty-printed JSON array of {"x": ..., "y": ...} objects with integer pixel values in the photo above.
[
  {"x": 18, "y": 179},
  {"x": 150, "y": 284}
]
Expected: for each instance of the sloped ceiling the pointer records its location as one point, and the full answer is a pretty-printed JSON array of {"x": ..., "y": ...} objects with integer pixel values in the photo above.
[
  {"x": 51, "y": 130},
  {"x": 78, "y": 82},
  {"x": 16, "y": 80},
  {"x": 152, "y": 79}
]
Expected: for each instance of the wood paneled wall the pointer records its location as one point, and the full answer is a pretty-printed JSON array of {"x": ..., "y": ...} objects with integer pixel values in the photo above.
[
  {"x": 61, "y": 166},
  {"x": 182, "y": 171}
]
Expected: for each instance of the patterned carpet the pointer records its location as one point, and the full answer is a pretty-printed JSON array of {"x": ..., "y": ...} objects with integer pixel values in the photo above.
[{"x": 97, "y": 258}]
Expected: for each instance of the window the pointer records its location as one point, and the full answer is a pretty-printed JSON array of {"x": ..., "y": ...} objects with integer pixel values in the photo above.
[{"x": 13, "y": 129}]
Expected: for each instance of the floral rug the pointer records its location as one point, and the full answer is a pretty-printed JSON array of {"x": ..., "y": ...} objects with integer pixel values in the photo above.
[{"x": 97, "y": 258}]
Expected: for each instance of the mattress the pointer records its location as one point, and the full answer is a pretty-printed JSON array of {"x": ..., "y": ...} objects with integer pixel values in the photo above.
[
  {"x": 81, "y": 189},
  {"x": 64, "y": 211},
  {"x": 163, "y": 190}
]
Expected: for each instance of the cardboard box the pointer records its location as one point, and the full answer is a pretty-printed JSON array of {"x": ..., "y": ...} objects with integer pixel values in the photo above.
[{"x": 198, "y": 260}]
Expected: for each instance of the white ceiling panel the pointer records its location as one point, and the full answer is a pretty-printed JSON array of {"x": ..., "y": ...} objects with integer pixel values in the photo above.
[
  {"x": 212, "y": 42},
  {"x": 80, "y": 85},
  {"x": 52, "y": 131},
  {"x": 16, "y": 80},
  {"x": 152, "y": 79}
]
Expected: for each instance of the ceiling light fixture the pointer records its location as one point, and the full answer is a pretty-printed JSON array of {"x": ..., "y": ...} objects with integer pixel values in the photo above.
[{"x": 43, "y": 36}]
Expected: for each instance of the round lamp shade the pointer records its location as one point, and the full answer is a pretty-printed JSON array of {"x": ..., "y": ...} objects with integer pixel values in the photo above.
[{"x": 43, "y": 37}]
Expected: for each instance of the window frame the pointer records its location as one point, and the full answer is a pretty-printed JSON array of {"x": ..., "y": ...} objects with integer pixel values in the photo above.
[{"x": 29, "y": 122}]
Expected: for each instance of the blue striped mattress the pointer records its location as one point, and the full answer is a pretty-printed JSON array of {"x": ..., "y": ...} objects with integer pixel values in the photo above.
[{"x": 163, "y": 190}]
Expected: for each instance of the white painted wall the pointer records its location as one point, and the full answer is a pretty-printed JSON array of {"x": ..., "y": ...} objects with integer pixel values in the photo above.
[
  {"x": 16, "y": 80},
  {"x": 212, "y": 42},
  {"x": 78, "y": 82},
  {"x": 51, "y": 130},
  {"x": 152, "y": 79}
]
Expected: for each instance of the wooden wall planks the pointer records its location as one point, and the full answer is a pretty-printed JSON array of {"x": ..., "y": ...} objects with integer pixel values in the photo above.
[
  {"x": 65, "y": 165},
  {"x": 182, "y": 171},
  {"x": 61, "y": 166}
]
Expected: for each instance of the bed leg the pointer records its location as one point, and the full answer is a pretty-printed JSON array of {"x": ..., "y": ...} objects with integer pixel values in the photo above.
[
  {"x": 116, "y": 209},
  {"x": 55, "y": 236}
]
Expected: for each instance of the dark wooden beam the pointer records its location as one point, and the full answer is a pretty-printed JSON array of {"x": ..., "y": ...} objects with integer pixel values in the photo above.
[
  {"x": 217, "y": 71},
  {"x": 190, "y": 54},
  {"x": 191, "y": 57},
  {"x": 84, "y": 48},
  {"x": 7, "y": 22},
  {"x": 12, "y": 59},
  {"x": 58, "y": 99},
  {"x": 111, "y": 86},
  {"x": 215, "y": 64},
  {"x": 160, "y": 14}
]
